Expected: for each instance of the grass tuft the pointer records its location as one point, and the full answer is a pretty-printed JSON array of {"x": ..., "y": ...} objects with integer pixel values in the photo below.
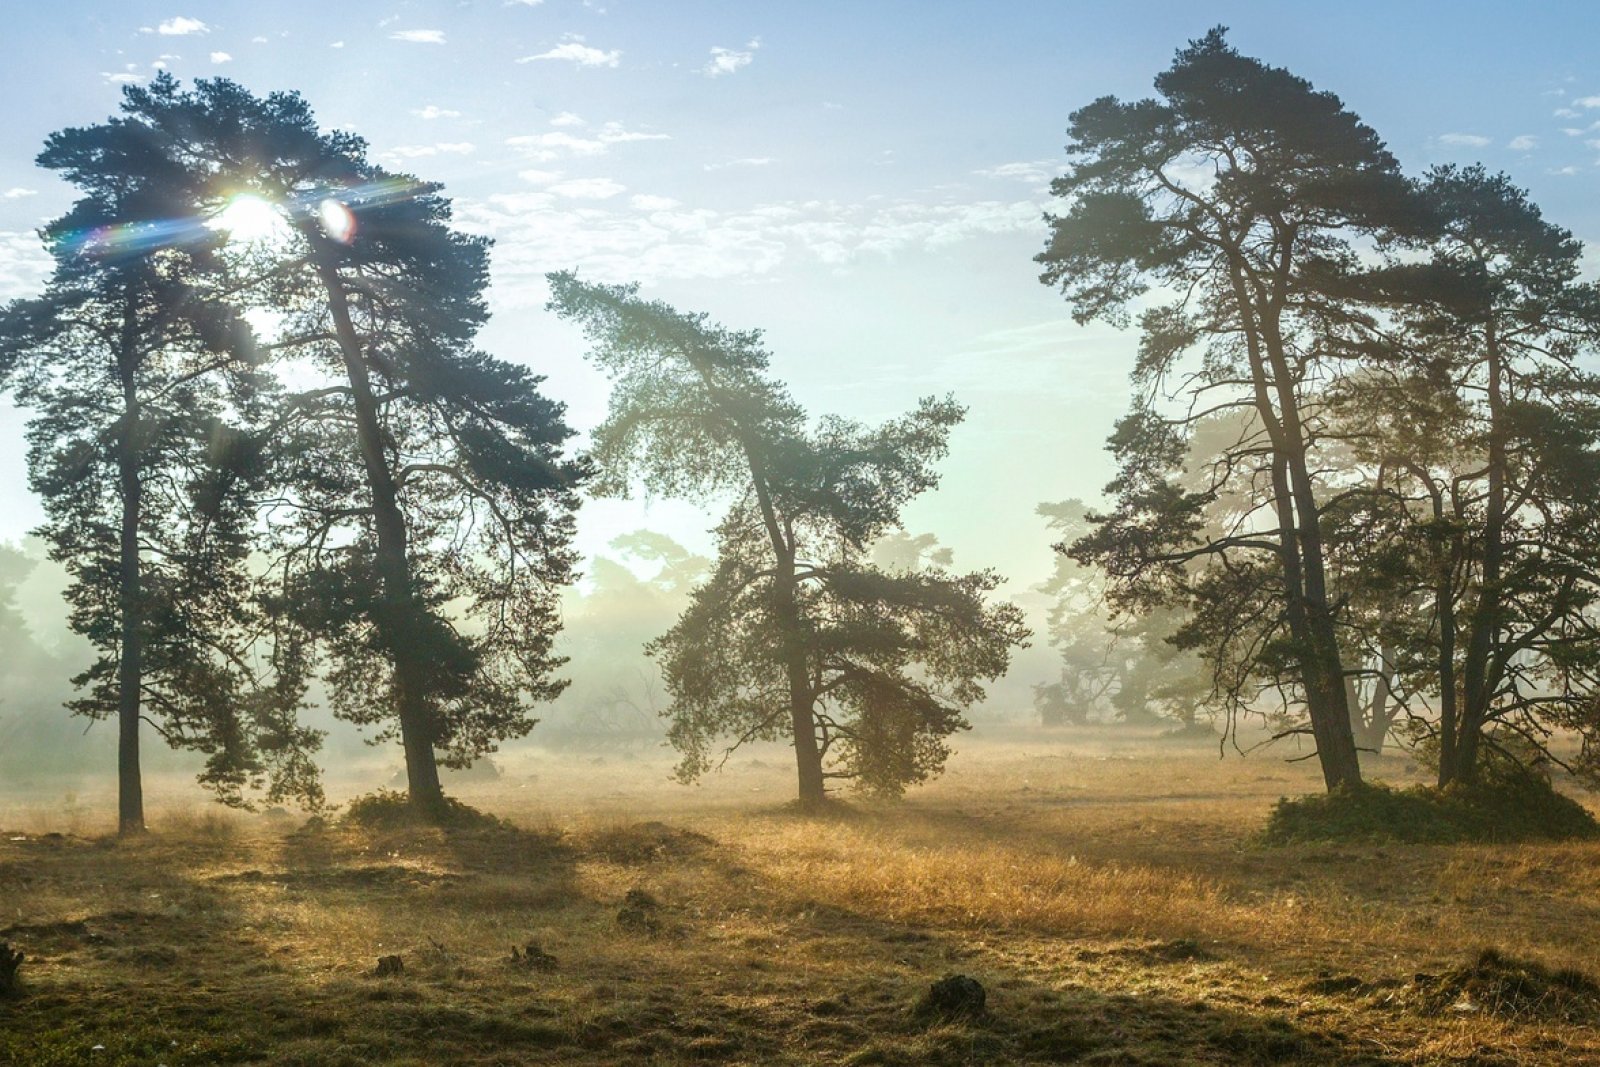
[
  {"x": 389, "y": 809},
  {"x": 1513, "y": 808}
]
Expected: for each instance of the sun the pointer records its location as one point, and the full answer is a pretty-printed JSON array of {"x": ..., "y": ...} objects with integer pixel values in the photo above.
[{"x": 248, "y": 219}]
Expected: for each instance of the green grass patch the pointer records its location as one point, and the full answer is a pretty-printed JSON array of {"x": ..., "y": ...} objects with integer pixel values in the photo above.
[
  {"x": 388, "y": 809},
  {"x": 1520, "y": 807}
]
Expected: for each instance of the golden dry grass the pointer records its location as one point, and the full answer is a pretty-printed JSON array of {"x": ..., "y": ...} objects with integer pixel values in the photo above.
[{"x": 1106, "y": 890}]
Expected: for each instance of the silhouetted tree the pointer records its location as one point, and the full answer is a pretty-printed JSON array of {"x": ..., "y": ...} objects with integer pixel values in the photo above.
[
  {"x": 796, "y": 633},
  {"x": 1236, "y": 194},
  {"x": 1482, "y": 404},
  {"x": 137, "y": 373},
  {"x": 424, "y": 528}
]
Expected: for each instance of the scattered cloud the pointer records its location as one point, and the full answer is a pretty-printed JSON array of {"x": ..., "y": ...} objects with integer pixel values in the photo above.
[
  {"x": 587, "y": 188},
  {"x": 1038, "y": 172},
  {"x": 1587, "y": 101},
  {"x": 123, "y": 78},
  {"x": 729, "y": 60},
  {"x": 1566, "y": 171},
  {"x": 1525, "y": 143},
  {"x": 539, "y": 177},
  {"x": 17, "y": 192},
  {"x": 523, "y": 3},
  {"x": 1565, "y": 113},
  {"x": 647, "y": 202},
  {"x": 567, "y": 119},
  {"x": 750, "y": 161},
  {"x": 418, "y": 36},
  {"x": 557, "y": 144},
  {"x": 263, "y": 40},
  {"x": 425, "y": 151},
  {"x": 337, "y": 44},
  {"x": 23, "y": 264},
  {"x": 573, "y": 50},
  {"x": 181, "y": 26},
  {"x": 1464, "y": 140},
  {"x": 653, "y": 238},
  {"x": 221, "y": 57},
  {"x": 433, "y": 111}
]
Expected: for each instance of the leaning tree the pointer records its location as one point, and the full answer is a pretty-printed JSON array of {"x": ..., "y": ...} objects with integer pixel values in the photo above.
[
  {"x": 423, "y": 522},
  {"x": 1222, "y": 208},
  {"x": 797, "y": 633}
]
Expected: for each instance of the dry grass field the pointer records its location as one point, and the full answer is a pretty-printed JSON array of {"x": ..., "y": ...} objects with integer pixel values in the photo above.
[{"x": 1106, "y": 890}]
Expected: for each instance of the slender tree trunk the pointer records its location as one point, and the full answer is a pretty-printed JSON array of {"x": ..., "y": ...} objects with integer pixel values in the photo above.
[
  {"x": 786, "y": 610},
  {"x": 1479, "y": 680},
  {"x": 1310, "y": 618},
  {"x": 417, "y": 728},
  {"x": 130, "y": 605},
  {"x": 802, "y": 699},
  {"x": 1323, "y": 665}
]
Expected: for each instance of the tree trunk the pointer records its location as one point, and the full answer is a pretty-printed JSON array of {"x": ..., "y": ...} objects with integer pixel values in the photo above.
[
  {"x": 418, "y": 731},
  {"x": 130, "y": 605},
  {"x": 1311, "y": 621},
  {"x": 1479, "y": 680},
  {"x": 807, "y": 754}
]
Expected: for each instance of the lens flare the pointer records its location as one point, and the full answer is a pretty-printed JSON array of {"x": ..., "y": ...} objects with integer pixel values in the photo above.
[
  {"x": 249, "y": 219},
  {"x": 338, "y": 222}
]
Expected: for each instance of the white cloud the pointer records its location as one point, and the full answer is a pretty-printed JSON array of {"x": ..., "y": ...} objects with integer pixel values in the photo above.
[
  {"x": 424, "y": 151},
  {"x": 1587, "y": 101},
  {"x": 337, "y": 44},
  {"x": 1038, "y": 172},
  {"x": 17, "y": 192},
  {"x": 652, "y": 238},
  {"x": 750, "y": 161},
  {"x": 1525, "y": 143},
  {"x": 121, "y": 79},
  {"x": 587, "y": 188},
  {"x": 1565, "y": 113},
  {"x": 1566, "y": 171},
  {"x": 567, "y": 119},
  {"x": 556, "y": 144},
  {"x": 575, "y": 51},
  {"x": 434, "y": 112},
  {"x": 523, "y": 3},
  {"x": 221, "y": 57},
  {"x": 23, "y": 265},
  {"x": 182, "y": 26},
  {"x": 1464, "y": 140},
  {"x": 263, "y": 40},
  {"x": 729, "y": 60},
  {"x": 418, "y": 36},
  {"x": 647, "y": 202}
]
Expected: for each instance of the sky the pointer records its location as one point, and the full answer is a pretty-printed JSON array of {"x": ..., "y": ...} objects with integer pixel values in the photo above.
[{"x": 864, "y": 181}]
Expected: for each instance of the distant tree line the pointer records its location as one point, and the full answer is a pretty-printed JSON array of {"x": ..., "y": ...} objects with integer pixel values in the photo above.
[{"x": 1357, "y": 477}]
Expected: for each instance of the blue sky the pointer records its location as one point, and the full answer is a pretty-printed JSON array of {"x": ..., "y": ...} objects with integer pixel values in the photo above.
[{"x": 864, "y": 180}]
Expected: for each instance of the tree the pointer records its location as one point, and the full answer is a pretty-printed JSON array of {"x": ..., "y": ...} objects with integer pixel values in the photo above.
[
  {"x": 138, "y": 372},
  {"x": 1236, "y": 195},
  {"x": 796, "y": 633},
  {"x": 424, "y": 527},
  {"x": 1494, "y": 438}
]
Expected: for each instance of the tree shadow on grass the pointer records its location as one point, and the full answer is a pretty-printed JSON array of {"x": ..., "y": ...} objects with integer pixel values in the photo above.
[{"x": 179, "y": 953}]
